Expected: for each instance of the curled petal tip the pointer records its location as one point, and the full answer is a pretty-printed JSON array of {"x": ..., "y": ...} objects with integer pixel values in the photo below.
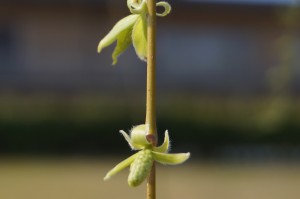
[{"x": 166, "y": 6}]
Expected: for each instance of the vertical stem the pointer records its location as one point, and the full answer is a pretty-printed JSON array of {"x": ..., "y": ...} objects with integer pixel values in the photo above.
[
  {"x": 151, "y": 59},
  {"x": 151, "y": 188},
  {"x": 151, "y": 88}
]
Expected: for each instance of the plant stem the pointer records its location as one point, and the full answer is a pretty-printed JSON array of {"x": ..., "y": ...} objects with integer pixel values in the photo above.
[{"x": 151, "y": 88}]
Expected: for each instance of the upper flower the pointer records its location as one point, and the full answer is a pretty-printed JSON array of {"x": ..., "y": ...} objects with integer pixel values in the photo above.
[
  {"x": 141, "y": 162},
  {"x": 132, "y": 28}
]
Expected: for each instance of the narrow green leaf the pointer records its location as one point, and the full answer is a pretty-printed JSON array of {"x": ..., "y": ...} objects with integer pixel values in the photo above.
[
  {"x": 172, "y": 159},
  {"x": 165, "y": 145},
  {"x": 123, "y": 24},
  {"x": 139, "y": 37},
  {"x": 124, "y": 40},
  {"x": 119, "y": 167}
]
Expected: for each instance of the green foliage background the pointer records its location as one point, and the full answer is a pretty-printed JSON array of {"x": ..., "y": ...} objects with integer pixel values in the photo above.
[{"x": 89, "y": 125}]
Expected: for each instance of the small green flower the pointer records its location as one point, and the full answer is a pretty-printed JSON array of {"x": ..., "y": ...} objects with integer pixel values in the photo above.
[
  {"x": 132, "y": 28},
  {"x": 141, "y": 162}
]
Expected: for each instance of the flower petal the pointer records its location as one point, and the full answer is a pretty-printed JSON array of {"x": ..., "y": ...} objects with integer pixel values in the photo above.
[
  {"x": 123, "y": 24},
  {"x": 137, "y": 7},
  {"x": 124, "y": 40},
  {"x": 132, "y": 145},
  {"x": 139, "y": 37},
  {"x": 164, "y": 148},
  {"x": 138, "y": 135},
  {"x": 172, "y": 159},
  {"x": 119, "y": 167}
]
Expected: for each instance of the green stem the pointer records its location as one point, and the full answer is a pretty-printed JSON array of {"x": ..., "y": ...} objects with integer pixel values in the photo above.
[{"x": 151, "y": 90}]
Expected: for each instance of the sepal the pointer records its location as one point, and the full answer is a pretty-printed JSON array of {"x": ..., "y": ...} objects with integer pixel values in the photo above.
[
  {"x": 123, "y": 42},
  {"x": 119, "y": 167},
  {"x": 165, "y": 147},
  {"x": 171, "y": 159},
  {"x": 139, "y": 37},
  {"x": 117, "y": 32},
  {"x": 132, "y": 145}
]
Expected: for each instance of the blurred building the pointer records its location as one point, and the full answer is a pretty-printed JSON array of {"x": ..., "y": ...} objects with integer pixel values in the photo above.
[
  {"x": 216, "y": 46},
  {"x": 245, "y": 49}
]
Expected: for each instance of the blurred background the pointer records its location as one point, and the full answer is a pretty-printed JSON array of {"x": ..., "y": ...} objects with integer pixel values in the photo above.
[{"x": 227, "y": 90}]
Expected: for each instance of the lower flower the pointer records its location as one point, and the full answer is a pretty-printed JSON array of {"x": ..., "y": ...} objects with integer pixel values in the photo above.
[{"x": 141, "y": 162}]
